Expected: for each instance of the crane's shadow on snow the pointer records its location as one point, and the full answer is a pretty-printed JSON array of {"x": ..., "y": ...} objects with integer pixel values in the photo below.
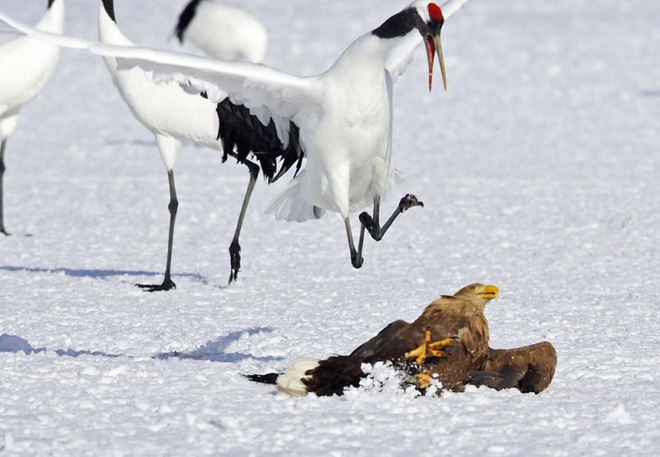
[
  {"x": 99, "y": 273},
  {"x": 13, "y": 343},
  {"x": 653, "y": 93},
  {"x": 217, "y": 350},
  {"x": 214, "y": 351}
]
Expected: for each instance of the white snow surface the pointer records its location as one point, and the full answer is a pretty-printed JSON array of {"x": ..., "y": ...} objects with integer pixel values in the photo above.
[{"x": 539, "y": 171}]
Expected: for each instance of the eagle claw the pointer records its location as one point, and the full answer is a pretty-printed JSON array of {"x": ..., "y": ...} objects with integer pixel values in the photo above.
[{"x": 428, "y": 349}]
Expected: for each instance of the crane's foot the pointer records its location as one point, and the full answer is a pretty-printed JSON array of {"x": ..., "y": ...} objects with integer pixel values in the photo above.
[
  {"x": 375, "y": 230},
  {"x": 235, "y": 259},
  {"x": 2, "y": 222},
  {"x": 428, "y": 349},
  {"x": 357, "y": 260},
  {"x": 409, "y": 201},
  {"x": 167, "y": 284}
]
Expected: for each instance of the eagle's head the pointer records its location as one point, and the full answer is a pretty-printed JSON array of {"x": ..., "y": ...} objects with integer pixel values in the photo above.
[{"x": 486, "y": 292}]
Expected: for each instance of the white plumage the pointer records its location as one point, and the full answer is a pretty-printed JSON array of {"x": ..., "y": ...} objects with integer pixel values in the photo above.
[
  {"x": 26, "y": 64},
  {"x": 344, "y": 115},
  {"x": 291, "y": 381},
  {"x": 166, "y": 109},
  {"x": 172, "y": 114},
  {"x": 223, "y": 31}
]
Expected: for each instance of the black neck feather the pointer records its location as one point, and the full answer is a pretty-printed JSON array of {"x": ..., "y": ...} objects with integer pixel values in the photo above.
[
  {"x": 185, "y": 18},
  {"x": 399, "y": 25},
  {"x": 109, "y": 6}
]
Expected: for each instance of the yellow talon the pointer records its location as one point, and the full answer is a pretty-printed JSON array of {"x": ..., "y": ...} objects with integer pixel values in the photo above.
[
  {"x": 428, "y": 349},
  {"x": 423, "y": 380}
]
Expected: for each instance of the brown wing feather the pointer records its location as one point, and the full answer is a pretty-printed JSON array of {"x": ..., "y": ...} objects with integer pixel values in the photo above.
[
  {"x": 333, "y": 375},
  {"x": 382, "y": 346},
  {"x": 336, "y": 373},
  {"x": 462, "y": 319},
  {"x": 536, "y": 364},
  {"x": 468, "y": 360}
]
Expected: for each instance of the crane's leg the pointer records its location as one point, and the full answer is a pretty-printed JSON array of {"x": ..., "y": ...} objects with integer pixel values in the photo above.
[
  {"x": 235, "y": 247},
  {"x": 2, "y": 174},
  {"x": 356, "y": 254},
  {"x": 173, "y": 206},
  {"x": 372, "y": 224}
]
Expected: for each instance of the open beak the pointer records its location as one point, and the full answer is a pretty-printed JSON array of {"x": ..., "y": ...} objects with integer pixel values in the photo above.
[
  {"x": 433, "y": 47},
  {"x": 489, "y": 292}
]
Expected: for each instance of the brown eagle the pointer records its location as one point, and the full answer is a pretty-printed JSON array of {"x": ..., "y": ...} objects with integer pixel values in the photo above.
[{"x": 448, "y": 342}]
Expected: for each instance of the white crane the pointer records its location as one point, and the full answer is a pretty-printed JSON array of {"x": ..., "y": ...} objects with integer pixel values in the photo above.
[
  {"x": 26, "y": 64},
  {"x": 174, "y": 115},
  {"x": 222, "y": 31},
  {"x": 343, "y": 117}
]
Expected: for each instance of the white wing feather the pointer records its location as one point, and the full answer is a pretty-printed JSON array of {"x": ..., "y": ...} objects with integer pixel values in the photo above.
[
  {"x": 400, "y": 57},
  {"x": 450, "y": 7},
  {"x": 268, "y": 93}
]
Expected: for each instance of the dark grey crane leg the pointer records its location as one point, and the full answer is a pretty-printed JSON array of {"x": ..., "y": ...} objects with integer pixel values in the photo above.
[
  {"x": 235, "y": 247},
  {"x": 2, "y": 174},
  {"x": 173, "y": 206},
  {"x": 372, "y": 224},
  {"x": 356, "y": 254}
]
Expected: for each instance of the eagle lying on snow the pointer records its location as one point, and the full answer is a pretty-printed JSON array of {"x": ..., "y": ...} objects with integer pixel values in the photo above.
[{"x": 447, "y": 343}]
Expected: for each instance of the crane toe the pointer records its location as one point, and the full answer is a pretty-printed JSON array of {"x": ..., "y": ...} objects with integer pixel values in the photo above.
[{"x": 167, "y": 284}]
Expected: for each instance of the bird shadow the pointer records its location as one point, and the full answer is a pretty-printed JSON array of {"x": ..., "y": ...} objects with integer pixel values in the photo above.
[
  {"x": 98, "y": 273},
  {"x": 653, "y": 93},
  {"x": 15, "y": 344},
  {"x": 214, "y": 351}
]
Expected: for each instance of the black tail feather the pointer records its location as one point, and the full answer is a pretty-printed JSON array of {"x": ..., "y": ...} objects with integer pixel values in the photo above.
[{"x": 269, "y": 378}]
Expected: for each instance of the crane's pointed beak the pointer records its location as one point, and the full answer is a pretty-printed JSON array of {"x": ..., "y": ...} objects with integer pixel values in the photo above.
[{"x": 433, "y": 47}]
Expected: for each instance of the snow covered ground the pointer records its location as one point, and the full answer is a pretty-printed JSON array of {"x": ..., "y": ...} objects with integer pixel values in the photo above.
[{"x": 539, "y": 171}]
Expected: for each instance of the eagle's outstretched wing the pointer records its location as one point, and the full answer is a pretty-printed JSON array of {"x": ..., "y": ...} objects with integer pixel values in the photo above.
[{"x": 529, "y": 369}]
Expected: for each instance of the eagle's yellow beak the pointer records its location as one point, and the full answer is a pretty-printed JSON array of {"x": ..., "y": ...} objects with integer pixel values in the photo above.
[{"x": 489, "y": 292}]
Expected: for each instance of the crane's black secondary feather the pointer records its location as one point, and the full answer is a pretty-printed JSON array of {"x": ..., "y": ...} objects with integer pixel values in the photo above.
[{"x": 242, "y": 133}]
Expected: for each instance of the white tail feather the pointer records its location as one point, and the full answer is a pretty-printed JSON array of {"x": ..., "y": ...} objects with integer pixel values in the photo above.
[
  {"x": 290, "y": 382},
  {"x": 290, "y": 206}
]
